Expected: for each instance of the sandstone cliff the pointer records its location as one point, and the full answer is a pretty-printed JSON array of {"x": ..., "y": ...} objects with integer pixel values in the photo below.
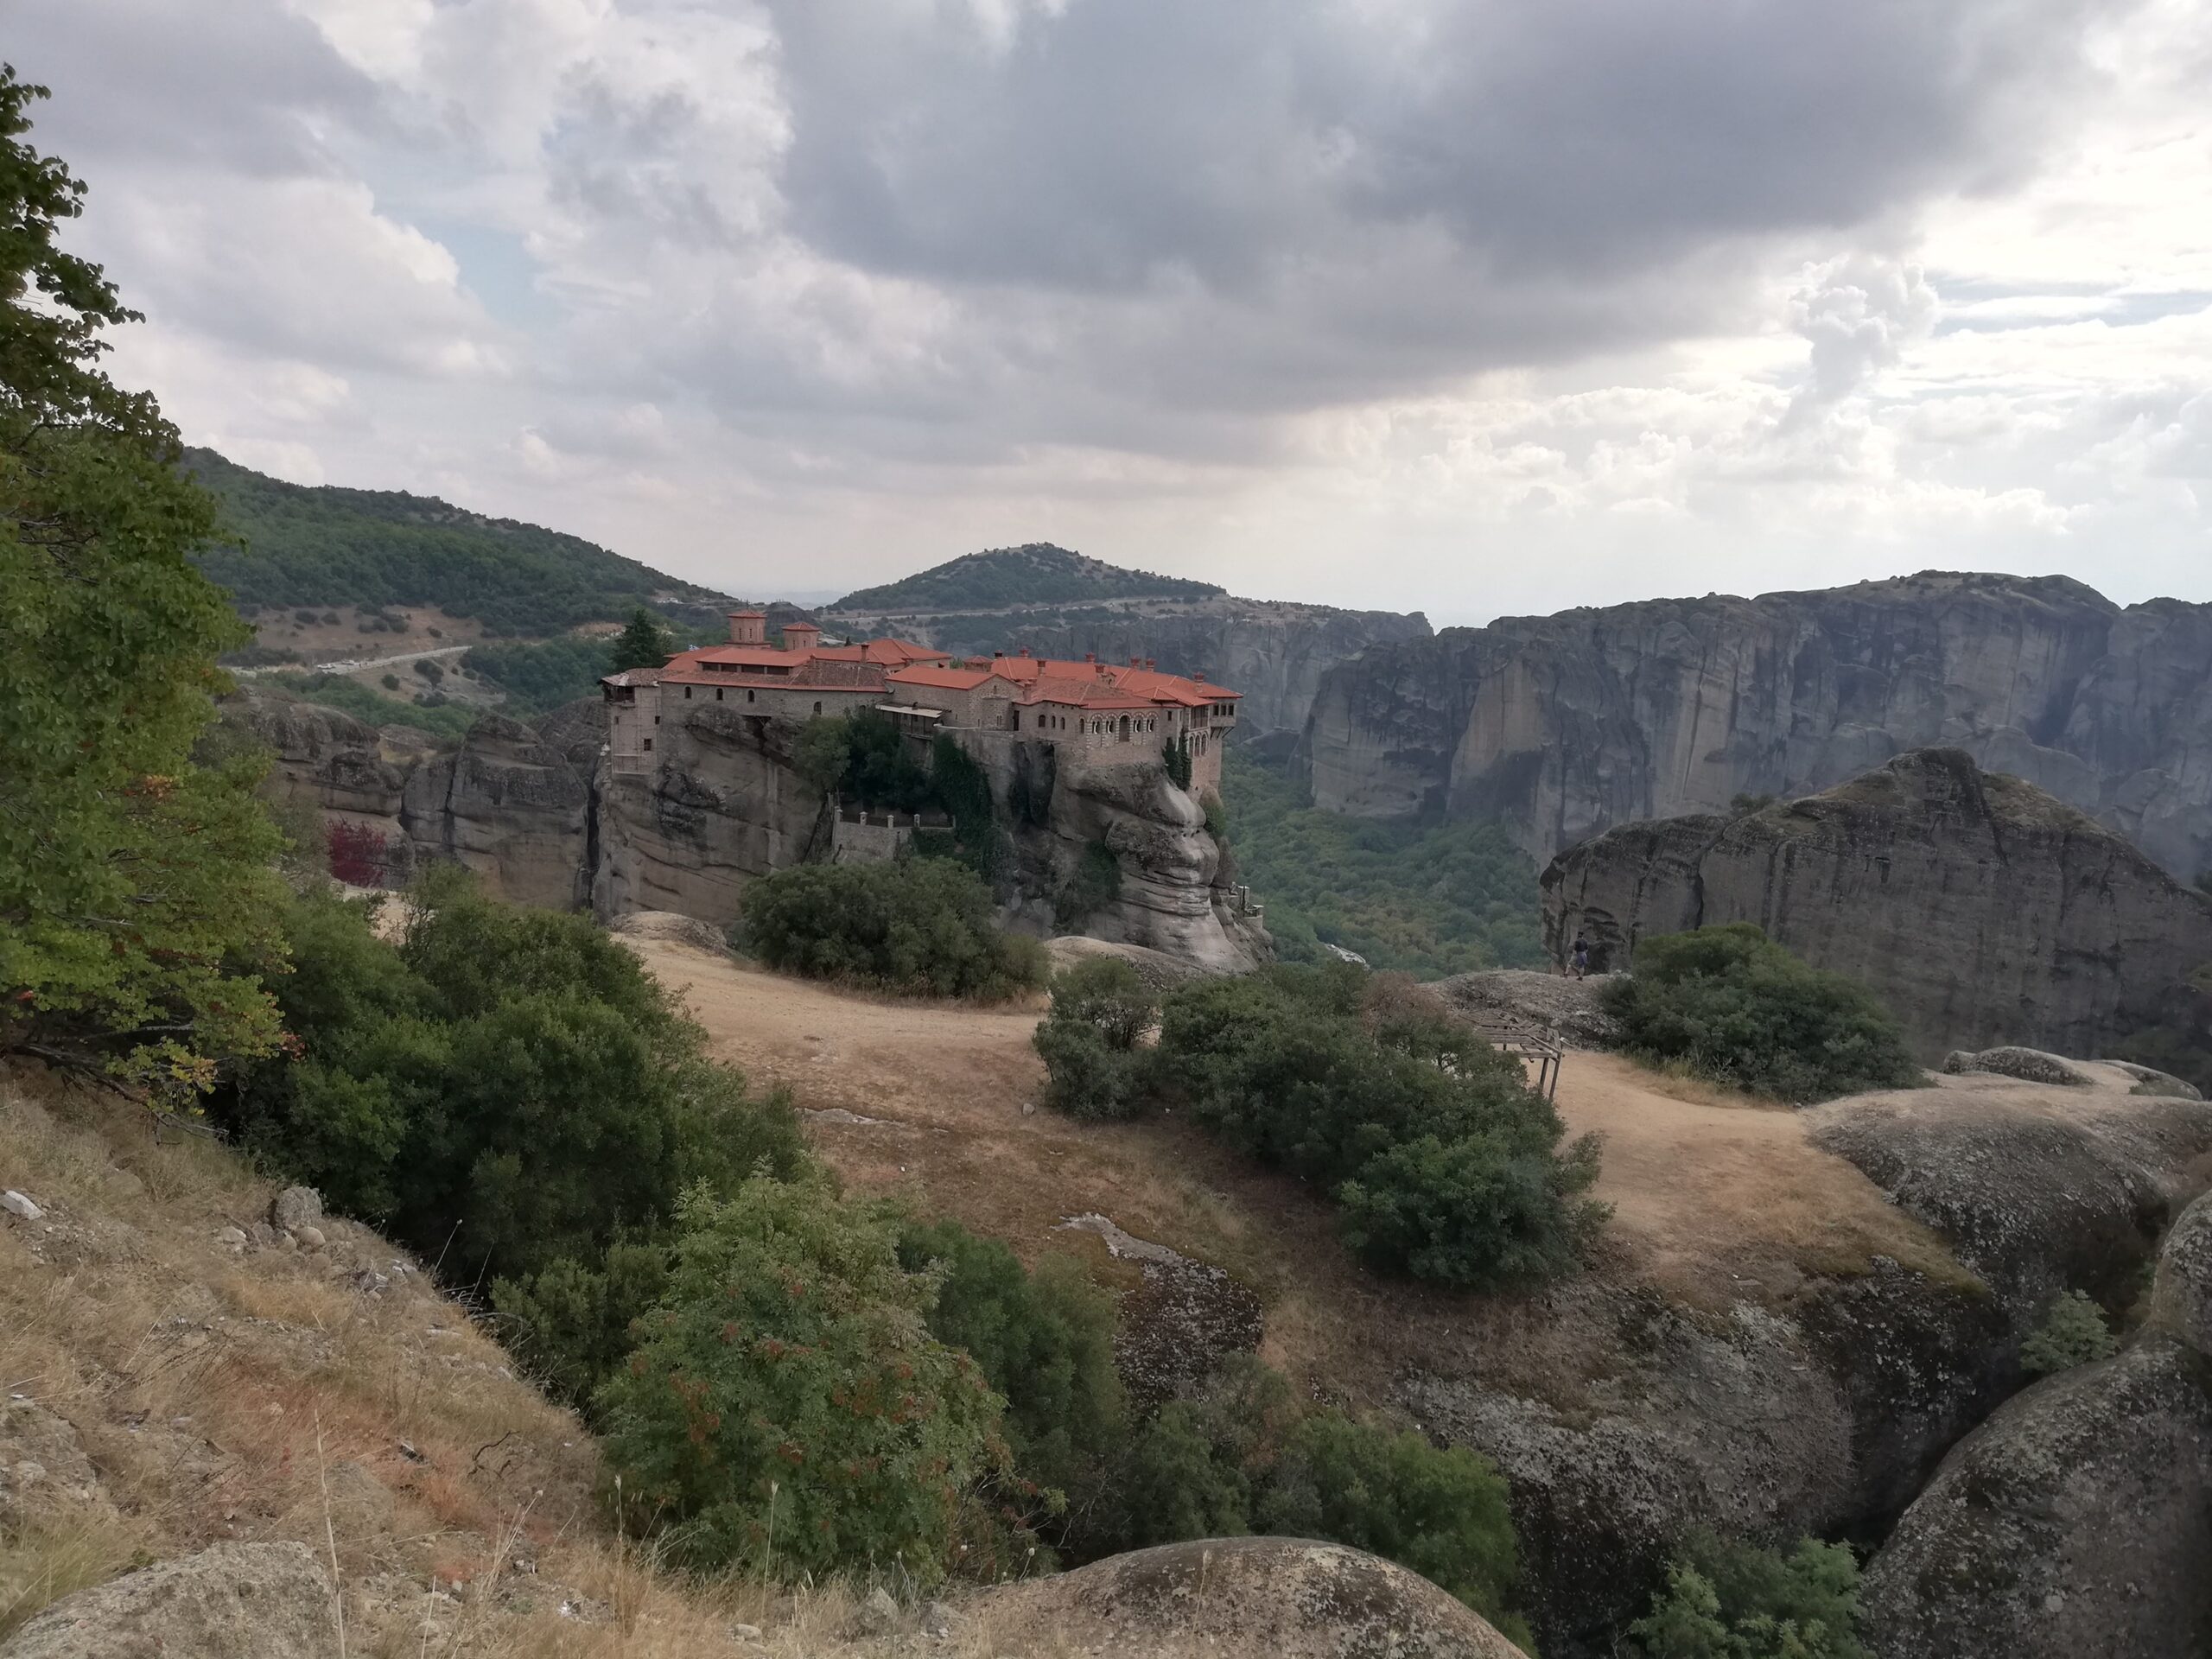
[
  {"x": 509, "y": 805},
  {"x": 1562, "y": 725},
  {"x": 1982, "y": 909}
]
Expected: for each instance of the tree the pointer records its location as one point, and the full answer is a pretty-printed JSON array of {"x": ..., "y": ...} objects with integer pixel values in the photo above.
[
  {"x": 1734, "y": 1006},
  {"x": 1090, "y": 1043},
  {"x": 1725, "y": 1600},
  {"x": 138, "y": 903},
  {"x": 643, "y": 643},
  {"x": 2072, "y": 1332},
  {"x": 786, "y": 1408}
]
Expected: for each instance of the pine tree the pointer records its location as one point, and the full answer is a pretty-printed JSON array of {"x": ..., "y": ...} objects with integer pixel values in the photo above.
[
  {"x": 133, "y": 881},
  {"x": 643, "y": 644}
]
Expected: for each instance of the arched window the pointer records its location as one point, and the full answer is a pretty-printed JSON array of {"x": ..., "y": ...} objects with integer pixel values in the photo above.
[{"x": 818, "y": 705}]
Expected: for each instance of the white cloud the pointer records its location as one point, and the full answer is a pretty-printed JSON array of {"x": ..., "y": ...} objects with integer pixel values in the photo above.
[{"x": 1476, "y": 307}]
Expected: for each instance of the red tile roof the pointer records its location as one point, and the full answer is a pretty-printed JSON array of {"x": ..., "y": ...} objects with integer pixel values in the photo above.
[{"x": 1146, "y": 684}]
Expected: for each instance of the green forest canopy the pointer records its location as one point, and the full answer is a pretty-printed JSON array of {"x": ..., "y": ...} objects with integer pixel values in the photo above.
[
  {"x": 1035, "y": 573},
  {"x": 327, "y": 545},
  {"x": 1428, "y": 898}
]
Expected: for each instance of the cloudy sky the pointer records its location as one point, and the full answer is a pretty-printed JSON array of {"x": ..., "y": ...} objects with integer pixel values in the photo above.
[{"x": 1474, "y": 306}]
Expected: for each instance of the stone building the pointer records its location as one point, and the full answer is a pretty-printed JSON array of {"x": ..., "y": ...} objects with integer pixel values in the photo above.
[{"x": 1086, "y": 715}]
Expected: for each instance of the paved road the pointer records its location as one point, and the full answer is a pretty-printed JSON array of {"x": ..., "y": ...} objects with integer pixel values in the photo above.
[{"x": 352, "y": 667}]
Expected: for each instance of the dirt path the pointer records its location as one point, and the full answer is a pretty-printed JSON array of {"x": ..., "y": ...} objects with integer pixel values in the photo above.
[{"x": 1712, "y": 1199}]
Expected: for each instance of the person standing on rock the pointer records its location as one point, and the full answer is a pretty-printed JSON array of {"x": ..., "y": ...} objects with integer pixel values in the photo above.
[{"x": 1580, "y": 958}]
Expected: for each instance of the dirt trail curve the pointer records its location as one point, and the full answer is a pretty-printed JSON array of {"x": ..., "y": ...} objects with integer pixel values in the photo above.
[{"x": 1712, "y": 1199}]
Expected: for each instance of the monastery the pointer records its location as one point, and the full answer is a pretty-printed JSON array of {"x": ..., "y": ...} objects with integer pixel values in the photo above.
[{"x": 1086, "y": 715}]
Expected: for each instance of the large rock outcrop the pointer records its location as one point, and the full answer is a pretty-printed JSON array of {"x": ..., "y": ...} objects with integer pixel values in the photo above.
[
  {"x": 1240, "y": 1598},
  {"x": 340, "y": 766},
  {"x": 1565, "y": 725},
  {"x": 1825, "y": 1411},
  {"x": 723, "y": 804},
  {"x": 2078, "y": 1519},
  {"x": 1982, "y": 910},
  {"x": 271, "y": 1601},
  {"x": 510, "y": 807}
]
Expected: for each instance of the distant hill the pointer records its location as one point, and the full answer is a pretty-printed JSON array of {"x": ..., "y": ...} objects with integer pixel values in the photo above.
[
  {"x": 1035, "y": 573},
  {"x": 328, "y": 546}
]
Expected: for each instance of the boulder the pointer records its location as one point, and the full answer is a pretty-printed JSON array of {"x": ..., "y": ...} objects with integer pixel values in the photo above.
[
  {"x": 1979, "y": 908},
  {"x": 2026, "y": 1064},
  {"x": 43, "y": 1468},
  {"x": 1242, "y": 1598},
  {"x": 294, "y": 1208},
  {"x": 1570, "y": 1009},
  {"x": 2078, "y": 1519},
  {"x": 233, "y": 1601},
  {"x": 667, "y": 924}
]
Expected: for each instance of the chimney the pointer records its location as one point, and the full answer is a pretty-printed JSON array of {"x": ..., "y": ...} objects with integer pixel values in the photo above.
[
  {"x": 1136, "y": 662},
  {"x": 748, "y": 627},
  {"x": 1089, "y": 656},
  {"x": 1150, "y": 663},
  {"x": 1199, "y": 675},
  {"x": 1025, "y": 651}
]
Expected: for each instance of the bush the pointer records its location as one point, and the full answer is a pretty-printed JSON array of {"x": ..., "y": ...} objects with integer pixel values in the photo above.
[
  {"x": 1734, "y": 1007},
  {"x": 571, "y": 1323},
  {"x": 1737, "y": 1601},
  {"x": 506, "y": 1088},
  {"x": 1445, "y": 1165},
  {"x": 1242, "y": 1456},
  {"x": 921, "y": 926},
  {"x": 786, "y": 1408},
  {"x": 1044, "y": 1340},
  {"x": 1100, "y": 1009},
  {"x": 2072, "y": 1332},
  {"x": 1441, "y": 1512}
]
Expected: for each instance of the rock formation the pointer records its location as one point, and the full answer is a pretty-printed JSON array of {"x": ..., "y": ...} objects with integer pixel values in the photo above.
[
  {"x": 505, "y": 803},
  {"x": 507, "y": 806},
  {"x": 1563, "y": 726},
  {"x": 272, "y": 1601},
  {"x": 2078, "y": 1519},
  {"x": 1982, "y": 911},
  {"x": 1240, "y": 1598}
]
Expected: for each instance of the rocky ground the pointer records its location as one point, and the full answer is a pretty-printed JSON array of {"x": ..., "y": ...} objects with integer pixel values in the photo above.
[{"x": 1794, "y": 1316}]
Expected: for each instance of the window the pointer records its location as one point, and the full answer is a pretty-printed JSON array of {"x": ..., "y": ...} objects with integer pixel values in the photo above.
[
  {"x": 656, "y": 720},
  {"x": 818, "y": 705},
  {"x": 687, "y": 693},
  {"x": 649, "y": 745},
  {"x": 748, "y": 694},
  {"x": 718, "y": 693}
]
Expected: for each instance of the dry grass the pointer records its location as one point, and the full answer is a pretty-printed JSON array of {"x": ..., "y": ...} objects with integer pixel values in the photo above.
[{"x": 261, "y": 1397}]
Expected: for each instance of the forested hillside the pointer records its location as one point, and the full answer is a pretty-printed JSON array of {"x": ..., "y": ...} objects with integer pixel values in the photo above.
[
  {"x": 1432, "y": 899},
  {"x": 1035, "y": 573},
  {"x": 328, "y": 546}
]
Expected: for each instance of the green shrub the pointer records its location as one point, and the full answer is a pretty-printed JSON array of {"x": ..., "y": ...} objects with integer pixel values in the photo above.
[
  {"x": 1441, "y": 1512},
  {"x": 822, "y": 750},
  {"x": 786, "y": 1408},
  {"x": 1737, "y": 1601},
  {"x": 1735, "y": 1007},
  {"x": 571, "y": 1323},
  {"x": 1044, "y": 1340},
  {"x": 1242, "y": 1456},
  {"x": 505, "y": 1088},
  {"x": 1100, "y": 1007},
  {"x": 1445, "y": 1165},
  {"x": 919, "y": 926},
  {"x": 2072, "y": 1332}
]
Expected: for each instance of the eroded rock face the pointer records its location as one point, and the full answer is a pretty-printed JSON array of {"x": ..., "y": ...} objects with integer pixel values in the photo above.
[
  {"x": 722, "y": 805},
  {"x": 1982, "y": 909},
  {"x": 2078, "y": 1519},
  {"x": 270, "y": 1600},
  {"x": 331, "y": 760},
  {"x": 1243, "y": 1598},
  {"x": 1564, "y": 726},
  {"x": 1174, "y": 896},
  {"x": 508, "y": 806}
]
